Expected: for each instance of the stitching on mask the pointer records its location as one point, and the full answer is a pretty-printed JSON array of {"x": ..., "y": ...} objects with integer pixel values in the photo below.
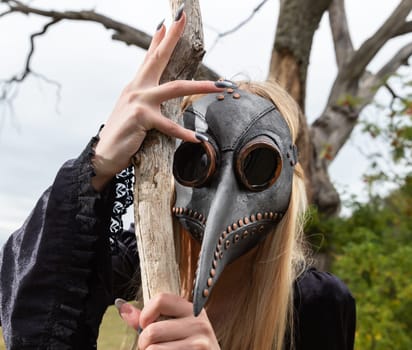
[
  {"x": 252, "y": 122},
  {"x": 229, "y": 237}
]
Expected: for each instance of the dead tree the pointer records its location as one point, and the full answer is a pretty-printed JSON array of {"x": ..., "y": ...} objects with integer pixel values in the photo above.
[{"x": 353, "y": 89}]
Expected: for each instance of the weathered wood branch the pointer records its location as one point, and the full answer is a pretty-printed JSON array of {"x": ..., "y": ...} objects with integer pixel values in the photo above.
[
  {"x": 368, "y": 50},
  {"x": 340, "y": 32},
  {"x": 153, "y": 192}
]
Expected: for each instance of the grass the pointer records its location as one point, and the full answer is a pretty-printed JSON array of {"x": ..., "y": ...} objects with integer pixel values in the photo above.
[{"x": 113, "y": 332}]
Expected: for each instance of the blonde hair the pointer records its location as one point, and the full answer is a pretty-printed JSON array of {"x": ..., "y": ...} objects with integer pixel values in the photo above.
[{"x": 266, "y": 315}]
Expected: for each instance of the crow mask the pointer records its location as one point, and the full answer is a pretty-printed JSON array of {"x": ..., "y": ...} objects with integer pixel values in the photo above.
[{"x": 233, "y": 188}]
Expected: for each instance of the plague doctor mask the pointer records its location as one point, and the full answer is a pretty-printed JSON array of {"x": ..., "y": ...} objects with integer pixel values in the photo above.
[{"x": 233, "y": 188}]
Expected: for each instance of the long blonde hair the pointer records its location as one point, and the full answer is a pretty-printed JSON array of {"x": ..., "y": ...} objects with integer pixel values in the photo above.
[{"x": 266, "y": 314}]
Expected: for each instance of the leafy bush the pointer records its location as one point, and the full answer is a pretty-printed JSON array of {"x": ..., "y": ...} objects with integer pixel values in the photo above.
[{"x": 372, "y": 253}]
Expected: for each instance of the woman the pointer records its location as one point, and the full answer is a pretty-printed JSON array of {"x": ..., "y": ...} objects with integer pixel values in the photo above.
[{"x": 61, "y": 270}]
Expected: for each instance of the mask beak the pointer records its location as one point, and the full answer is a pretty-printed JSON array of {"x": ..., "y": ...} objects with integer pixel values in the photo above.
[
  {"x": 230, "y": 232},
  {"x": 212, "y": 258}
]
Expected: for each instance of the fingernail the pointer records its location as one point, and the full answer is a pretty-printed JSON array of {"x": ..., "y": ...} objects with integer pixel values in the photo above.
[
  {"x": 201, "y": 137},
  {"x": 139, "y": 330},
  {"x": 225, "y": 84},
  {"x": 160, "y": 25},
  {"x": 179, "y": 12},
  {"x": 119, "y": 302}
]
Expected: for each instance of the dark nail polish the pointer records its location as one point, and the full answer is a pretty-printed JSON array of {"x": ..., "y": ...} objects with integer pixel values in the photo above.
[
  {"x": 201, "y": 137},
  {"x": 160, "y": 25},
  {"x": 139, "y": 330},
  {"x": 225, "y": 84},
  {"x": 179, "y": 12}
]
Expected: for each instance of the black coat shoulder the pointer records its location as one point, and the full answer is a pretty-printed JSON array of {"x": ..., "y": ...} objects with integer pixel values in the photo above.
[{"x": 325, "y": 312}]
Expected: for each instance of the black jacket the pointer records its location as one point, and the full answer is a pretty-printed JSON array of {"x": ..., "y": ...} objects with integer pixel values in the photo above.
[{"x": 61, "y": 269}]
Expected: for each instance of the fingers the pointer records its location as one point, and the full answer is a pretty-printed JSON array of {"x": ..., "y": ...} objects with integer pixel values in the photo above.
[
  {"x": 182, "y": 330},
  {"x": 166, "y": 47},
  {"x": 165, "y": 305},
  {"x": 180, "y": 88},
  {"x": 128, "y": 313},
  {"x": 169, "y": 127},
  {"x": 170, "y": 330},
  {"x": 156, "y": 40},
  {"x": 175, "y": 89},
  {"x": 178, "y": 345},
  {"x": 159, "y": 53},
  {"x": 156, "y": 95},
  {"x": 143, "y": 75}
]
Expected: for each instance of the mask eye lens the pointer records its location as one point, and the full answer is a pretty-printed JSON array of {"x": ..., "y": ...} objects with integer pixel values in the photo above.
[
  {"x": 194, "y": 163},
  {"x": 259, "y": 164}
]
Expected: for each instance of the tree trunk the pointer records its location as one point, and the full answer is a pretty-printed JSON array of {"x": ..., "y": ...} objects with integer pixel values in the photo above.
[
  {"x": 153, "y": 192},
  {"x": 289, "y": 63}
]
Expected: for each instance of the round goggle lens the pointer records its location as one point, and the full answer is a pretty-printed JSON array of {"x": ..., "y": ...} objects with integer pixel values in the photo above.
[
  {"x": 193, "y": 163},
  {"x": 259, "y": 164}
]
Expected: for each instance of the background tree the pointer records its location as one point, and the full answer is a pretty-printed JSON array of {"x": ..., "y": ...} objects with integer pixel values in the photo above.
[
  {"x": 371, "y": 248},
  {"x": 353, "y": 89}
]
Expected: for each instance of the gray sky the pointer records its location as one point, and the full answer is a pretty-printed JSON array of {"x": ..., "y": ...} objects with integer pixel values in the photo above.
[{"x": 42, "y": 132}]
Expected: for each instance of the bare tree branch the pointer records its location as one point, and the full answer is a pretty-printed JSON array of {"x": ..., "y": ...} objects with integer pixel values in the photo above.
[
  {"x": 394, "y": 96},
  {"x": 238, "y": 26},
  {"x": 123, "y": 32},
  {"x": 340, "y": 32},
  {"x": 398, "y": 60},
  {"x": 404, "y": 29},
  {"x": 340, "y": 116},
  {"x": 3, "y": 14},
  {"x": 362, "y": 57},
  {"x": 8, "y": 84}
]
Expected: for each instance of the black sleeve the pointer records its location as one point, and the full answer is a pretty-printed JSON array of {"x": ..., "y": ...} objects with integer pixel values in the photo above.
[
  {"x": 56, "y": 270},
  {"x": 325, "y": 315},
  {"x": 125, "y": 265}
]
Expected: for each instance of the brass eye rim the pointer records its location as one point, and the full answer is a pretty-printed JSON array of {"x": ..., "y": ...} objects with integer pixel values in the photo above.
[
  {"x": 211, "y": 156},
  {"x": 259, "y": 142}
]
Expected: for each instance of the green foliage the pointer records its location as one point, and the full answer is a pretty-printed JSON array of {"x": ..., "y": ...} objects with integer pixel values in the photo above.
[
  {"x": 372, "y": 253},
  {"x": 391, "y": 127}
]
